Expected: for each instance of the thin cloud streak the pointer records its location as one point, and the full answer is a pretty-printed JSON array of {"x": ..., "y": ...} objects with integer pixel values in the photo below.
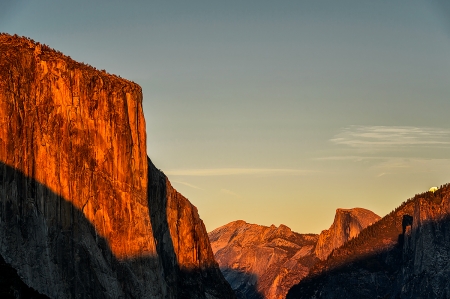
[
  {"x": 229, "y": 192},
  {"x": 414, "y": 164},
  {"x": 351, "y": 158},
  {"x": 236, "y": 171},
  {"x": 187, "y": 184},
  {"x": 379, "y": 137}
]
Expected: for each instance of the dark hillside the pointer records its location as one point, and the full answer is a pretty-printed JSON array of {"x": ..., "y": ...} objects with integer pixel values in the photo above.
[{"x": 404, "y": 255}]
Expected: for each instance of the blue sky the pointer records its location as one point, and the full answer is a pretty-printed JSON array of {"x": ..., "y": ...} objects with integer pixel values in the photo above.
[{"x": 273, "y": 112}]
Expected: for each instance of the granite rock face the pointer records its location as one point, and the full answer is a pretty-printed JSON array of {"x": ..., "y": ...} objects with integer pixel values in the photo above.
[
  {"x": 182, "y": 243},
  {"x": 78, "y": 218},
  {"x": 260, "y": 261},
  {"x": 348, "y": 223},
  {"x": 404, "y": 255}
]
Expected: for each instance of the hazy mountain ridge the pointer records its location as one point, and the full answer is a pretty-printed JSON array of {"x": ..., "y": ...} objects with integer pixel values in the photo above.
[
  {"x": 83, "y": 212},
  {"x": 264, "y": 262},
  {"x": 404, "y": 255}
]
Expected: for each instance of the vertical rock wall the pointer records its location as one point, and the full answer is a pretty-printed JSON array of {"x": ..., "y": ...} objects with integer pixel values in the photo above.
[
  {"x": 74, "y": 214},
  {"x": 81, "y": 133},
  {"x": 77, "y": 211},
  {"x": 183, "y": 244}
]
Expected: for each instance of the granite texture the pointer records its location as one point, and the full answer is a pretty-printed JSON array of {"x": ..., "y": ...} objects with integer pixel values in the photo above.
[{"x": 77, "y": 211}]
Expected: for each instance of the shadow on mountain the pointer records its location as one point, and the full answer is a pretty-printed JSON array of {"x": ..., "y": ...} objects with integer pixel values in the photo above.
[
  {"x": 48, "y": 245},
  {"x": 12, "y": 286},
  {"x": 242, "y": 283},
  {"x": 349, "y": 280},
  {"x": 415, "y": 267},
  {"x": 57, "y": 251},
  {"x": 188, "y": 281}
]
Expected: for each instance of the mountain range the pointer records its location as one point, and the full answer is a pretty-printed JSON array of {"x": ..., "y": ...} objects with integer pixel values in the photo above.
[
  {"x": 265, "y": 262},
  {"x": 404, "y": 255},
  {"x": 84, "y": 212}
]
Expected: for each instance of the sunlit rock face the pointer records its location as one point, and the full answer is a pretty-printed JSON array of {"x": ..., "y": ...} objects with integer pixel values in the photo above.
[
  {"x": 348, "y": 223},
  {"x": 77, "y": 211},
  {"x": 81, "y": 133},
  {"x": 403, "y": 255},
  {"x": 260, "y": 261}
]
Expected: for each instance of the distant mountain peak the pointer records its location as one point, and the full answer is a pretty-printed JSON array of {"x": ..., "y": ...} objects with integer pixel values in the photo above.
[
  {"x": 348, "y": 223},
  {"x": 262, "y": 261}
]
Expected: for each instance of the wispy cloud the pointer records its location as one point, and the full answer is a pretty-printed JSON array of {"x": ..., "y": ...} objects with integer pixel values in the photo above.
[
  {"x": 413, "y": 164},
  {"x": 350, "y": 158},
  {"x": 229, "y": 192},
  {"x": 236, "y": 171},
  {"x": 187, "y": 184},
  {"x": 378, "y": 137}
]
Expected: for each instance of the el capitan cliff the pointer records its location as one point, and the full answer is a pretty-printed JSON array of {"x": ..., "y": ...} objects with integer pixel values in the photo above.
[{"x": 83, "y": 211}]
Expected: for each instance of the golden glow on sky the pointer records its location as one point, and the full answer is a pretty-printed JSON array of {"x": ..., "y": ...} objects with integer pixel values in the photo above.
[{"x": 274, "y": 112}]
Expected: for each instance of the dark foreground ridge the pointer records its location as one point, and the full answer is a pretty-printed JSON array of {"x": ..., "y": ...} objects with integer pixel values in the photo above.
[{"x": 404, "y": 255}]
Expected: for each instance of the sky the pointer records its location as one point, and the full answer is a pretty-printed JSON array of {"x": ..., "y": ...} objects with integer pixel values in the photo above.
[{"x": 273, "y": 112}]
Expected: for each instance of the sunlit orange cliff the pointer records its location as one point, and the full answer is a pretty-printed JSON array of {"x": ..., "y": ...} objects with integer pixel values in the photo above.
[{"x": 84, "y": 213}]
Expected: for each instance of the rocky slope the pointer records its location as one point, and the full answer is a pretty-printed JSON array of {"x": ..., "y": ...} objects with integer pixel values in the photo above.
[
  {"x": 348, "y": 223},
  {"x": 404, "y": 255},
  {"x": 83, "y": 212},
  {"x": 265, "y": 262},
  {"x": 260, "y": 261}
]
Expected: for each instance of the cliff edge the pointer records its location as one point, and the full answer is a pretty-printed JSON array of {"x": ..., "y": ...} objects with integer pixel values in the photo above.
[{"x": 78, "y": 215}]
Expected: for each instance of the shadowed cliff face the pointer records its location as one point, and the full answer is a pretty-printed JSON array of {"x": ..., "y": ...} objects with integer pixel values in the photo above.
[
  {"x": 403, "y": 255},
  {"x": 58, "y": 252},
  {"x": 260, "y": 261},
  {"x": 182, "y": 243},
  {"x": 82, "y": 215},
  {"x": 348, "y": 223},
  {"x": 12, "y": 286}
]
